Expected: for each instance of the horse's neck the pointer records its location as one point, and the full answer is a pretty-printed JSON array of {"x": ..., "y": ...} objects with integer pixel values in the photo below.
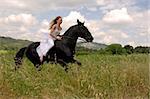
[
  {"x": 70, "y": 42},
  {"x": 71, "y": 37}
]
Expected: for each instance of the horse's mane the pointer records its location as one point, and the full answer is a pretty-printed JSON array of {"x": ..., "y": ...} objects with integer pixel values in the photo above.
[{"x": 68, "y": 30}]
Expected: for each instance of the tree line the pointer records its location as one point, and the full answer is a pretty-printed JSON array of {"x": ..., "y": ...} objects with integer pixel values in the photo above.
[
  {"x": 127, "y": 49},
  {"x": 117, "y": 49}
]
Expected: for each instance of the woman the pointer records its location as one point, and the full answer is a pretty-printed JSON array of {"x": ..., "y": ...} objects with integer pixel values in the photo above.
[{"x": 48, "y": 43}]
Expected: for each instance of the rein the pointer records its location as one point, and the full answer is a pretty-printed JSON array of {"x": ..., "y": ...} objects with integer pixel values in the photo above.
[
  {"x": 68, "y": 37},
  {"x": 83, "y": 41}
]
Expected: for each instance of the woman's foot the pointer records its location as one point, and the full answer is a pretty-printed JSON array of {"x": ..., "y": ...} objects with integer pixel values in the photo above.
[{"x": 41, "y": 59}]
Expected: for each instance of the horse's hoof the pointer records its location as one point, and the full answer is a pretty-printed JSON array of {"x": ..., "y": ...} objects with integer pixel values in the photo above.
[
  {"x": 66, "y": 69},
  {"x": 39, "y": 69},
  {"x": 79, "y": 63},
  {"x": 17, "y": 67},
  {"x": 52, "y": 62}
]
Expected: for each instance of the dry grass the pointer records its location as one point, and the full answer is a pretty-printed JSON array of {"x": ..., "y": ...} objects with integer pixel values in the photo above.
[{"x": 100, "y": 77}]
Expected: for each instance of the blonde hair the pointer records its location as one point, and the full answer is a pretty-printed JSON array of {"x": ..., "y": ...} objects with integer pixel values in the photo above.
[{"x": 53, "y": 22}]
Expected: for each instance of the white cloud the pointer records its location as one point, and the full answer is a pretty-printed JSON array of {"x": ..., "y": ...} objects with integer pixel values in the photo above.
[
  {"x": 103, "y": 2},
  {"x": 23, "y": 29},
  {"x": 109, "y": 39},
  {"x": 101, "y": 32},
  {"x": 112, "y": 36},
  {"x": 106, "y": 5},
  {"x": 37, "y": 6},
  {"x": 96, "y": 27},
  {"x": 18, "y": 26},
  {"x": 117, "y": 16},
  {"x": 44, "y": 26},
  {"x": 92, "y": 9},
  {"x": 15, "y": 3},
  {"x": 12, "y": 3},
  {"x": 25, "y": 19},
  {"x": 122, "y": 21},
  {"x": 141, "y": 21},
  {"x": 93, "y": 26},
  {"x": 133, "y": 43},
  {"x": 24, "y": 26}
]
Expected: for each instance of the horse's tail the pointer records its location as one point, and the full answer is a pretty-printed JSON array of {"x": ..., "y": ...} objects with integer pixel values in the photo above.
[{"x": 19, "y": 56}]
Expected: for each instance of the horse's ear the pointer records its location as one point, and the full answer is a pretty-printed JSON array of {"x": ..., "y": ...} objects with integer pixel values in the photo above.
[{"x": 79, "y": 23}]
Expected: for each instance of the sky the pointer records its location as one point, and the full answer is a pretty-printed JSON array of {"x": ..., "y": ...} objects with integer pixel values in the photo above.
[{"x": 109, "y": 21}]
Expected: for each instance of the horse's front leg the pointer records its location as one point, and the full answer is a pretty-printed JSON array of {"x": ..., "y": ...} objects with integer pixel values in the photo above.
[
  {"x": 38, "y": 67},
  {"x": 51, "y": 55},
  {"x": 63, "y": 64},
  {"x": 77, "y": 62}
]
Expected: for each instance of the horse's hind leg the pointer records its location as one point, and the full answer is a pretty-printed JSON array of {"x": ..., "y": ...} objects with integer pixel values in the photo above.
[
  {"x": 77, "y": 62},
  {"x": 63, "y": 64},
  {"x": 72, "y": 60},
  {"x": 38, "y": 67},
  {"x": 18, "y": 63},
  {"x": 16, "y": 67}
]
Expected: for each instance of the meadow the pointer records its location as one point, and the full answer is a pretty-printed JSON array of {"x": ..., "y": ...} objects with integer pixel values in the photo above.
[{"x": 99, "y": 77}]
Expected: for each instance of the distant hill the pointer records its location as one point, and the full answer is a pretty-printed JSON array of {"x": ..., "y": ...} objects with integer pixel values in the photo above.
[
  {"x": 7, "y": 43},
  {"x": 92, "y": 45}
]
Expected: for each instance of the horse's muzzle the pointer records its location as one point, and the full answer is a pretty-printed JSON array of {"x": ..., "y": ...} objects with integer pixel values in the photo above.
[{"x": 90, "y": 39}]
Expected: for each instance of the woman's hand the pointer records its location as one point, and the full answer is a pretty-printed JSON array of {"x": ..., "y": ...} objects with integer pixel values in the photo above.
[{"x": 59, "y": 38}]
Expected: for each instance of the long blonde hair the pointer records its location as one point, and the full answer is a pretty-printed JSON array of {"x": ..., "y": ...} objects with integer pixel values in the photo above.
[{"x": 53, "y": 22}]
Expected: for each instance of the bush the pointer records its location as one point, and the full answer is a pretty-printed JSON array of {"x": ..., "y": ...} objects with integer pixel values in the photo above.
[
  {"x": 141, "y": 49},
  {"x": 115, "y": 49},
  {"x": 129, "y": 49}
]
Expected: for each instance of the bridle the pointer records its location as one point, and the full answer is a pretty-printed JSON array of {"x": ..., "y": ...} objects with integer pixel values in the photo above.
[
  {"x": 68, "y": 37},
  {"x": 83, "y": 41}
]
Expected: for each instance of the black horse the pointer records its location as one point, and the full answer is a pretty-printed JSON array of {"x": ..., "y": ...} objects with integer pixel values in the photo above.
[{"x": 63, "y": 50}]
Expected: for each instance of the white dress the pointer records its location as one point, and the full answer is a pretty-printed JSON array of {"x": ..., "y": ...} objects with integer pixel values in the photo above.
[{"x": 47, "y": 43}]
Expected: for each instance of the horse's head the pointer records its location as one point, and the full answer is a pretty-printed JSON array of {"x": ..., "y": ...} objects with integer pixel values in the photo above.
[{"x": 83, "y": 32}]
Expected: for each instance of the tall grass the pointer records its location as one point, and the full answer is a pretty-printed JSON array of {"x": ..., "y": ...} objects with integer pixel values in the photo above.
[{"x": 99, "y": 77}]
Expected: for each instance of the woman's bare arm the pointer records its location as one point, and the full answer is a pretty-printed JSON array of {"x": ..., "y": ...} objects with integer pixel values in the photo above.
[
  {"x": 54, "y": 36},
  {"x": 52, "y": 30}
]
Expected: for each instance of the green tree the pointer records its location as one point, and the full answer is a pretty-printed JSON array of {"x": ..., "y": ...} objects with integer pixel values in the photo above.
[
  {"x": 129, "y": 49},
  {"x": 115, "y": 49},
  {"x": 141, "y": 49}
]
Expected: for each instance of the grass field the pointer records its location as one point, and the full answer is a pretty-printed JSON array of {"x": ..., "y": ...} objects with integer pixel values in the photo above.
[{"x": 99, "y": 77}]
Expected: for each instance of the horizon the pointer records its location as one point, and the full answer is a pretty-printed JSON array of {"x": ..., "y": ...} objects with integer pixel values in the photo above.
[
  {"x": 80, "y": 42},
  {"x": 111, "y": 21}
]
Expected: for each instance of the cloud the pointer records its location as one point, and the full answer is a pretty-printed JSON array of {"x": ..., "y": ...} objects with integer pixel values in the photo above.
[
  {"x": 117, "y": 16},
  {"x": 111, "y": 36},
  {"x": 24, "y": 26},
  {"x": 44, "y": 26},
  {"x": 109, "y": 21},
  {"x": 106, "y": 5},
  {"x": 92, "y": 9},
  {"x": 96, "y": 28},
  {"x": 37, "y": 6},
  {"x": 103, "y": 2},
  {"x": 141, "y": 20},
  {"x": 93, "y": 26},
  {"x": 12, "y": 3},
  {"x": 18, "y": 26},
  {"x": 103, "y": 33},
  {"x": 135, "y": 32},
  {"x": 25, "y": 19}
]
